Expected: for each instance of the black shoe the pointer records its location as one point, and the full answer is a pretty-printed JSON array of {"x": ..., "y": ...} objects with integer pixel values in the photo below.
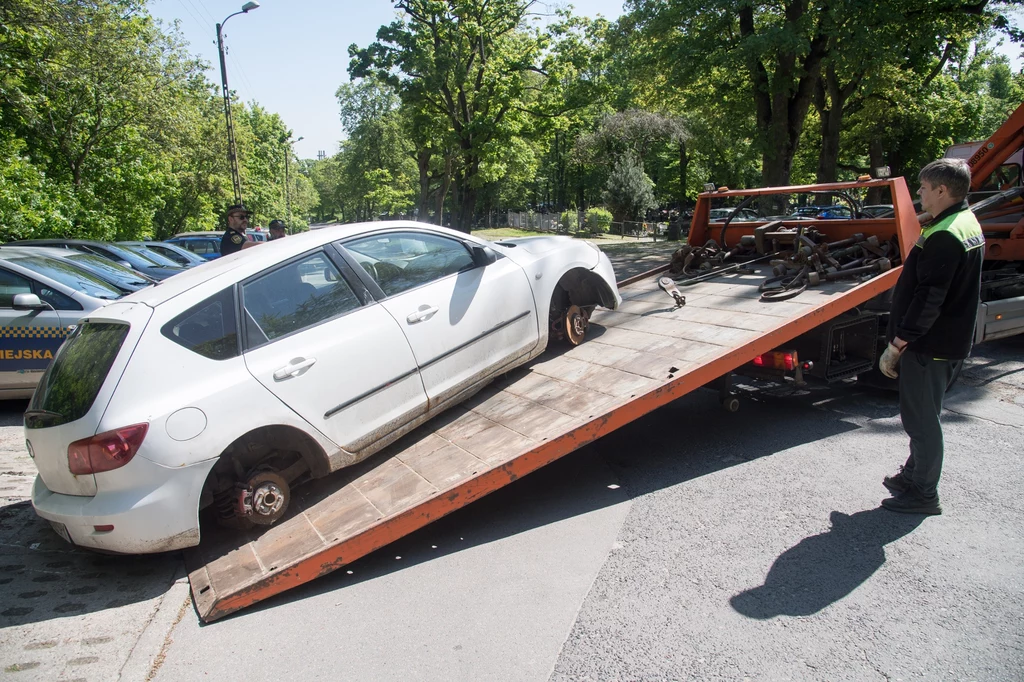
[
  {"x": 898, "y": 483},
  {"x": 912, "y": 502}
]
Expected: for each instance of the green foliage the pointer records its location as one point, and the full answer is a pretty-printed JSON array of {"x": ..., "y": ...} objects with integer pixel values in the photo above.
[
  {"x": 569, "y": 221},
  {"x": 598, "y": 220},
  {"x": 112, "y": 131},
  {"x": 629, "y": 192},
  {"x": 463, "y": 68}
]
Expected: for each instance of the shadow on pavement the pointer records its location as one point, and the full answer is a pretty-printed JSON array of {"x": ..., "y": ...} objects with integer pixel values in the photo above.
[
  {"x": 42, "y": 577},
  {"x": 689, "y": 438},
  {"x": 822, "y": 569}
]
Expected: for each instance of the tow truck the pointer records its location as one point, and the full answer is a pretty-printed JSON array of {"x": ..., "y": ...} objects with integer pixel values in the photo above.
[{"x": 666, "y": 340}]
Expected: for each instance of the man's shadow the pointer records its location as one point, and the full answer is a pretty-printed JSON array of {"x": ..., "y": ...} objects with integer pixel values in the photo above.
[{"x": 824, "y": 568}]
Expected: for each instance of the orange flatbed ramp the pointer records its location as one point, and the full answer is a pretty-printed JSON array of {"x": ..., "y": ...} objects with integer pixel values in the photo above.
[{"x": 634, "y": 360}]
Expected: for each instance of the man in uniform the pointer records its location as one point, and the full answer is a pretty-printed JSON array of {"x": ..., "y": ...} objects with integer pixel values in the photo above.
[
  {"x": 234, "y": 238},
  {"x": 278, "y": 230},
  {"x": 931, "y": 326}
]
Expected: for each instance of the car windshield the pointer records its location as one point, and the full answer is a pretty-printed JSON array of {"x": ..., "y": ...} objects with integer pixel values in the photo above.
[
  {"x": 69, "y": 274},
  {"x": 136, "y": 259},
  {"x": 150, "y": 254},
  {"x": 172, "y": 251},
  {"x": 118, "y": 274}
]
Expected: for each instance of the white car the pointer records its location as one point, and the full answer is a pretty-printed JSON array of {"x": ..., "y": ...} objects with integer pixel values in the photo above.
[{"x": 228, "y": 384}]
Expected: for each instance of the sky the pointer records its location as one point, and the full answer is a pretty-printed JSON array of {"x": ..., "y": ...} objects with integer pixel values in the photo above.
[{"x": 290, "y": 56}]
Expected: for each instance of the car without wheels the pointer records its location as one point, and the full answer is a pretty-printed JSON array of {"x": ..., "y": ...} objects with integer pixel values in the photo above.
[{"x": 284, "y": 364}]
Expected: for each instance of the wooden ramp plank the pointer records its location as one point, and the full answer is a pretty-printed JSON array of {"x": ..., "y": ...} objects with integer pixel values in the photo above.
[{"x": 636, "y": 359}]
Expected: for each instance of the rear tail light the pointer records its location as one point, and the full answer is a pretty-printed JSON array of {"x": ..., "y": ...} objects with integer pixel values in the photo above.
[
  {"x": 777, "y": 360},
  {"x": 106, "y": 451}
]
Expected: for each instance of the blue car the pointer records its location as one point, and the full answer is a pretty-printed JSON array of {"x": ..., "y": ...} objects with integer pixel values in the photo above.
[{"x": 207, "y": 247}]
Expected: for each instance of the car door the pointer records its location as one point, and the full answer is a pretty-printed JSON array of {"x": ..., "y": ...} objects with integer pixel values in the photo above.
[
  {"x": 28, "y": 338},
  {"x": 340, "y": 363},
  {"x": 464, "y": 319}
]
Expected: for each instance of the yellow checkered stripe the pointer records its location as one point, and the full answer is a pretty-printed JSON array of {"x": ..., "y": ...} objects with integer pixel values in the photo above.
[{"x": 33, "y": 332}]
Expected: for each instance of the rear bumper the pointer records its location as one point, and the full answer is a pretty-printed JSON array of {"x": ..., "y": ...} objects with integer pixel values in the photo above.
[{"x": 159, "y": 512}]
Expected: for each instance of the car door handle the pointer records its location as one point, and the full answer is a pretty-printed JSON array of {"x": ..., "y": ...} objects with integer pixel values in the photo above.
[
  {"x": 424, "y": 312},
  {"x": 293, "y": 368}
]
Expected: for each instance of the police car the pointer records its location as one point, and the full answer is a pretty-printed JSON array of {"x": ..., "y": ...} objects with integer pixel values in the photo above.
[
  {"x": 284, "y": 362},
  {"x": 41, "y": 299}
]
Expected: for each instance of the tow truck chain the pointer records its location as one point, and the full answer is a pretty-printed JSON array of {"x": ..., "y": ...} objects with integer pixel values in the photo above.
[{"x": 800, "y": 258}]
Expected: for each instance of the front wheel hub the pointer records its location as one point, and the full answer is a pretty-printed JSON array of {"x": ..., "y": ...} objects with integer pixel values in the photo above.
[
  {"x": 269, "y": 499},
  {"x": 576, "y": 323}
]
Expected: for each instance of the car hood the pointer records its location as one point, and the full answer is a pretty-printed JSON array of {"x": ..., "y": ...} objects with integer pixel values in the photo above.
[{"x": 536, "y": 245}]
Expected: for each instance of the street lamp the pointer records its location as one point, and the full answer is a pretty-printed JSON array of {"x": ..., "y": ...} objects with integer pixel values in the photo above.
[
  {"x": 236, "y": 178},
  {"x": 287, "y": 184}
]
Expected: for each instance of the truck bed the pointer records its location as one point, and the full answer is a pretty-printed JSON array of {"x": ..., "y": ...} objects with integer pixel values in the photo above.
[{"x": 634, "y": 360}]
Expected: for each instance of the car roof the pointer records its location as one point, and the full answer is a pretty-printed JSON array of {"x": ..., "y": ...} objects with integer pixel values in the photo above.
[
  {"x": 52, "y": 251},
  {"x": 226, "y": 270}
]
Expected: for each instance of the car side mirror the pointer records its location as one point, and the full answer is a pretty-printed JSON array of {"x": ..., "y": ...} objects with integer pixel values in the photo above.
[
  {"x": 484, "y": 255},
  {"x": 29, "y": 302},
  {"x": 329, "y": 275}
]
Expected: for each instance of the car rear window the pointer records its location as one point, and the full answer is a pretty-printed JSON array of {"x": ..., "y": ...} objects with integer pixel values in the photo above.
[
  {"x": 207, "y": 328},
  {"x": 70, "y": 384}
]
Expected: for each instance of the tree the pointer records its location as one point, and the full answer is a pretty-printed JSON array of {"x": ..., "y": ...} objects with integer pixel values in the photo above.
[
  {"x": 87, "y": 86},
  {"x": 784, "y": 48},
  {"x": 465, "y": 61},
  {"x": 629, "y": 192}
]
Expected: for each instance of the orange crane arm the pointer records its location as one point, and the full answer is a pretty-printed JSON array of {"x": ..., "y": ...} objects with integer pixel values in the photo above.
[{"x": 997, "y": 149}]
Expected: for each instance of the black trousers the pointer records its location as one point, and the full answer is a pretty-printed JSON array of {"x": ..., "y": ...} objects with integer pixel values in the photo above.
[{"x": 923, "y": 384}]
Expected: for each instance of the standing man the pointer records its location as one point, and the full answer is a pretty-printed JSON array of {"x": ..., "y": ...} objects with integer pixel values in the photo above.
[
  {"x": 278, "y": 230},
  {"x": 931, "y": 326},
  {"x": 234, "y": 238}
]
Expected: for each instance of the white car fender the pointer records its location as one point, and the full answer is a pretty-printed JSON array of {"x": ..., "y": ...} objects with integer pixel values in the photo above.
[{"x": 547, "y": 259}]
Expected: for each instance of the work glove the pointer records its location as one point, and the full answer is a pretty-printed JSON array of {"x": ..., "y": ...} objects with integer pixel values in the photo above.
[{"x": 890, "y": 358}]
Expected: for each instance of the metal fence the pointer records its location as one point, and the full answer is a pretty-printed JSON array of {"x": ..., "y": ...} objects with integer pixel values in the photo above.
[{"x": 553, "y": 223}]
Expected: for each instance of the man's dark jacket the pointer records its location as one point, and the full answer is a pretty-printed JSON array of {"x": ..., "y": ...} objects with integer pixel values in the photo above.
[{"x": 935, "y": 303}]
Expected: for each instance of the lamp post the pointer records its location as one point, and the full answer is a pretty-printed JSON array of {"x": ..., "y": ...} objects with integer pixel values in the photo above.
[
  {"x": 236, "y": 178},
  {"x": 287, "y": 183}
]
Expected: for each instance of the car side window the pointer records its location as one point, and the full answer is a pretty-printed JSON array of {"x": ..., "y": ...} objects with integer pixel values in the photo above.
[
  {"x": 207, "y": 328},
  {"x": 297, "y": 295},
  {"x": 10, "y": 285},
  {"x": 58, "y": 300},
  {"x": 168, "y": 253},
  {"x": 399, "y": 261}
]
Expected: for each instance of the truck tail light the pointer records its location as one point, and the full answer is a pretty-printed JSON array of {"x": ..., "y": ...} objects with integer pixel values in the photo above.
[
  {"x": 106, "y": 451},
  {"x": 786, "y": 360}
]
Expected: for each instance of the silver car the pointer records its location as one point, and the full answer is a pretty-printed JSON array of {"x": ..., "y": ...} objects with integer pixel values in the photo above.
[{"x": 40, "y": 299}]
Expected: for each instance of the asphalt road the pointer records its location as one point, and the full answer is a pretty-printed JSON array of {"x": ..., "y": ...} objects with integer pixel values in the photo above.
[{"x": 691, "y": 544}]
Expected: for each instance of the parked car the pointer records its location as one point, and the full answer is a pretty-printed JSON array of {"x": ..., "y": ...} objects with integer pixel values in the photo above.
[
  {"x": 256, "y": 234},
  {"x": 805, "y": 212},
  {"x": 171, "y": 252},
  {"x": 40, "y": 298},
  {"x": 834, "y": 212},
  {"x": 284, "y": 362},
  {"x": 206, "y": 246},
  {"x": 718, "y": 215},
  {"x": 118, "y": 254},
  {"x": 122, "y": 278},
  {"x": 878, "y": 211}
]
